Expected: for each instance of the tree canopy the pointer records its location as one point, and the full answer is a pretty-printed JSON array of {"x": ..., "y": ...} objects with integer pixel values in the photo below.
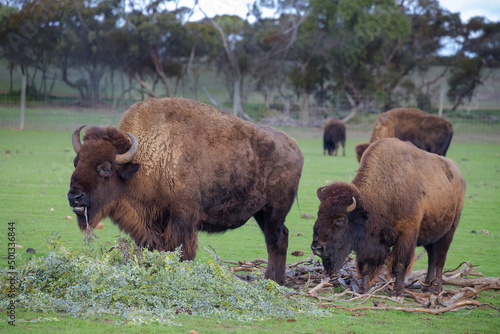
[{"x": 320, "y": 50}]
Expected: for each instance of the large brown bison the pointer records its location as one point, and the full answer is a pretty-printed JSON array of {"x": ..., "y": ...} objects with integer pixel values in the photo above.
[
  {"x": 333, "y": 135},
  {"x": 428, "y": 132},
  {"x": 175, "y": 167},
  {"x": 400, "y": 198}
]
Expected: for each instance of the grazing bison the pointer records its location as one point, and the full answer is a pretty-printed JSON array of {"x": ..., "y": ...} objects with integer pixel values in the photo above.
[
  {"x": 400, "y": 198},
  {"x": 333, "y": 135},
  {"x": 175, "y": 167},
  {"x": 428, "y": 132}
]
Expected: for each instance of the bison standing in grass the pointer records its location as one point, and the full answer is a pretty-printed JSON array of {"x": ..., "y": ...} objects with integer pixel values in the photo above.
[
  {"x": 175, "y": 167},
  {"x": 333, "y": 136},
  {"x": 400, "y": 198},
  {"x": 428, "y": 132}
]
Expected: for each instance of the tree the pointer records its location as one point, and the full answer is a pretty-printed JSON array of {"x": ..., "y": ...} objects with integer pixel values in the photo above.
[
  {"x": 28, "y": 41},
  {"x": 464, "y": 78},
  {"x": 361, "y": 39},
  {"x": 230, "y": 29},
  {"x": 480, "y": 54},
  {"x": 204, "y": 44}
]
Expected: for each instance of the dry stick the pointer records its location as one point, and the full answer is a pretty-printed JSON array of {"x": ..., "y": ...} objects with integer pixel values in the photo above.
[
  {"x": 319, "y": 286},
  {"x": 483, "y": 283},
  {"x": 406, "y": 309},
  {"x": 370, "y": 293},
  {"x": 448, "y": 271},
  {"x": 421, "y": 255}
]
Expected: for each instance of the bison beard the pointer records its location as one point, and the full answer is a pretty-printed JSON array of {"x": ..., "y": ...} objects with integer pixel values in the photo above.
[
  {"x": 175, "y": 167},
  {"x": 401, "y": 198}
]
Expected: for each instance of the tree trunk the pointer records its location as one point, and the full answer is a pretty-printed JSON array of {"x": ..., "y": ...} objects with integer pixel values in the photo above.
[
  {"x": 23, "y": 101},
  {"x": 112, "y": 84},
  {"x": 237, "y": 107},
  {"x": 351, "y": 114},
  {"x": 305, "y": 112},
  {"x": 188, "y": 73},
  {"x": 11, "y": 70},
  {"x": 159, "y": 70},
  {"x": 235, "y": 70},
  {"x": 354, "y": 108}
]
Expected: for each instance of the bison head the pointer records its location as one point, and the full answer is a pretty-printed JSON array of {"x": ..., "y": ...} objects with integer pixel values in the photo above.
[
  {"x": 102, "y": 166},
  {"x": 339, "y": 224}
]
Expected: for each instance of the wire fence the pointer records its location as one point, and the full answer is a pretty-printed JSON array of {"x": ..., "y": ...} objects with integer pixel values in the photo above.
[{"x": 478, "y": 119}]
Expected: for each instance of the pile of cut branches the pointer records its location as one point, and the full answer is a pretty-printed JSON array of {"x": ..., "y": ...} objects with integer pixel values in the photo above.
[{"x": 307, "y": 277}]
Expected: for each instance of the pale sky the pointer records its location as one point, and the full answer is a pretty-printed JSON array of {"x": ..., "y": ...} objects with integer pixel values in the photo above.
[{"x": 467, "y": 8}]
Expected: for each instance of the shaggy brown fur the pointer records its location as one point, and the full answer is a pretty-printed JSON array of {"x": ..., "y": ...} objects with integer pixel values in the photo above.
[
  {"x": 333, "y": 135},
  {"x": 427, "y": 132},
  {"x": 405, "y": 197},
  {"x": 196, "y": 169}
]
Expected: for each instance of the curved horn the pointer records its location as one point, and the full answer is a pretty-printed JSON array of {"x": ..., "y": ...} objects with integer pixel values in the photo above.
[
  {"x": 320, "y": 191},
  {"x": 130, "y": 154},
  {"x": 75, "y": 138},
  {"x": 352, "y": 206}
]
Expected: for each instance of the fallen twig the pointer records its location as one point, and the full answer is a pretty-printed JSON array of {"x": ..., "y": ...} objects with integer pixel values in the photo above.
[{"x": 473, "y": 303}]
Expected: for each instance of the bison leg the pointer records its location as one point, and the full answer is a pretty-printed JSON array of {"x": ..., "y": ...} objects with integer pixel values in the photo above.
[
  {"x": 437, "y": 256},
  {"x": 401, "y": 260},
  {"x": 276, "y": 236},
  {"x": 369, "y": 269},
  {"x": 181, "y": 232},
  {"x": 343, "y": 148},
  {"x": 431, "y": 269}
]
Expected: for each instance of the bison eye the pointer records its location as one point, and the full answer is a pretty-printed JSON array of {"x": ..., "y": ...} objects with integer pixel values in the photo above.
[
  {"x": 104, "y": 169},
  {"x": 339, "y": 221}
]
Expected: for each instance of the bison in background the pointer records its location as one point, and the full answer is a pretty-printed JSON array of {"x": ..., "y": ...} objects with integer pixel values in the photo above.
[
  {"x": 401, "y": 198},
  {"x": 333, "y": 135},
  {"x": 175, "y": 167},
  {"x": 428, "y": 132}
]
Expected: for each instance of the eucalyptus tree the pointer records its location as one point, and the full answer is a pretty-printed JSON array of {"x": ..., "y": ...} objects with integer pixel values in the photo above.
[
  {"x": 204, "y": 46},
  {"x": 28, "y": 36},
  {"x": 366, "y": 35},
  {"x": 233, "y": 63},
  {"x": 157, "y": 41},
  {"x": 480, "y": 56}
]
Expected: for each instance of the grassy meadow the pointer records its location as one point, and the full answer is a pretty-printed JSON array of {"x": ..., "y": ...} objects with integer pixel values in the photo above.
[{"x": 35, "y": 171}]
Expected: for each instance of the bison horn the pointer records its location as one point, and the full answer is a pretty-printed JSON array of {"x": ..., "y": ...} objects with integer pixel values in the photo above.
[
  {"x": 352, "y": 206},
  {"x": 76, "y": 138},
  {"x": 130, "y": 154}
]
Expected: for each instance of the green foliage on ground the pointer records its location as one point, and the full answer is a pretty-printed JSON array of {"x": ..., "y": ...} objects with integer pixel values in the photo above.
[{"x": 143, "y": 287}]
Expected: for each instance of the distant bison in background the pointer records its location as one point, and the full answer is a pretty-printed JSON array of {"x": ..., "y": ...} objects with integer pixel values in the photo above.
[
  {"x": 401, "y": 198},
  {"x": 175, "y": 167},
  {"x": 428, "y": 132},
  {"x": 333, "y": 135}
]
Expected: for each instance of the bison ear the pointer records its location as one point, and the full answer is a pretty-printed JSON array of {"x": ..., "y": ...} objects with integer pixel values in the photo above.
[
  {"x": 359, "y": 216},
  {"x": 128, "y": 170}
]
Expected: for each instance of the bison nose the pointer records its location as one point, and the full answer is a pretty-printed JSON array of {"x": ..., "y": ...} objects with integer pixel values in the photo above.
[
  {"x": 76, "y": 199},
  {"x": 317, "y": 248}
]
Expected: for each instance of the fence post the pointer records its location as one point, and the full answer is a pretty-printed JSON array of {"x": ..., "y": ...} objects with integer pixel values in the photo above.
[
  {"x": 23, "y": 100},
  {"x": 441, "y": 101}
]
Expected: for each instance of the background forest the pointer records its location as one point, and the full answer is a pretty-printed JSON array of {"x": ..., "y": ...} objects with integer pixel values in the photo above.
[{"x": 313, "y": 59}]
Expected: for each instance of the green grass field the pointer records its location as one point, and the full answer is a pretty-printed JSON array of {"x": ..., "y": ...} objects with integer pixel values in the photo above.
[{"x": 36, "y": 167}]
